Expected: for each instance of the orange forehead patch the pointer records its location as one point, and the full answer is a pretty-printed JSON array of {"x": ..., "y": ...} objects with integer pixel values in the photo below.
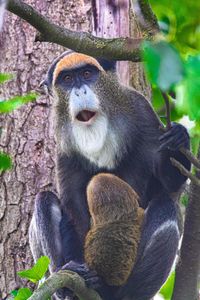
[{"x": 74, "y": 60}]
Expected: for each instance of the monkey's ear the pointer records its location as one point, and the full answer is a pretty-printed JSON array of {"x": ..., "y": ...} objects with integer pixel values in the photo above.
[
  {"x": 108, "y": 65},
  {"x": 46, "y": 86},
  {"x": 47, "y": 82}
]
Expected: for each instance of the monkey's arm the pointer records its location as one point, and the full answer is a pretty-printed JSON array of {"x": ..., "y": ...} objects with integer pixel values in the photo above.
[{"x": 170, "y": 143}]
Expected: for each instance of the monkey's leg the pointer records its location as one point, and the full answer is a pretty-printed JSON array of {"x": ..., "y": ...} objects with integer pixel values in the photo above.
[
  {"x": 52, "y": 234},
  {"x": 44, "y": 231},
  {"x": 157, "y": 251}
]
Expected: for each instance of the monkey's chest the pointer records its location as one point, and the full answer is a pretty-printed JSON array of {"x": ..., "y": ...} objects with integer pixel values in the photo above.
[{"x": 138, "y": 177}]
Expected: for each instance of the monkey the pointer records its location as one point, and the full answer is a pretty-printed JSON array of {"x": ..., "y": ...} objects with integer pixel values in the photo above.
[
  {"x": 111, "y": 243},
  {"x": 102, "y": 126}
]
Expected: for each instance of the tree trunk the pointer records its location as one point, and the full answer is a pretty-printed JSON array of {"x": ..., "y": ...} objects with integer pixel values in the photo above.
[
  {"x": 187, "y": 271},
  {"x": 26, "y": 133},
  {"x": 116, "y": 18}
]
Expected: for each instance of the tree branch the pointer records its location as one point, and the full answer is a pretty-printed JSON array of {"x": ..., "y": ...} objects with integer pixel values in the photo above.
[
  {"x": 146, "y": 17},
  {"x": 167, "y": 104},
  {"x": 63, "y": 279},
  {"x": 187, "y": 271},
  {"x": 191, "y": 157},
  {"x": 117, "y": 48}
]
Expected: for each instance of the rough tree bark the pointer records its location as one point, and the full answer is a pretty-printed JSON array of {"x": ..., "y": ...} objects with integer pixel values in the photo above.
[
  {"x": 26, "y": 134},
  {"x": 117, "y": 19}
]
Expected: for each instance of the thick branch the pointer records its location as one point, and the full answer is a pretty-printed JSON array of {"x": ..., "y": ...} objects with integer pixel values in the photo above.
[
  {"x": 187, "y": 272},
  {"x": 63, "y": 279},
  {"x": 118, "y": 48},
  {"x": 146, "y": 17}
]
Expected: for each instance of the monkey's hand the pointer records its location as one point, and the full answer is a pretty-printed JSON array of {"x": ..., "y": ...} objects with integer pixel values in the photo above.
[
  {"x": 175, "y": 138},
  {"x": 171, "y": 142},
  {"x": 92, "y": 280},
  {"x": 64, "y": 292}
]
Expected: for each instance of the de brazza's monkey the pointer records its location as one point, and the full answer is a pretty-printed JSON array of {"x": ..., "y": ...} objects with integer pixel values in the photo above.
[{"x": 102, "y": 126}]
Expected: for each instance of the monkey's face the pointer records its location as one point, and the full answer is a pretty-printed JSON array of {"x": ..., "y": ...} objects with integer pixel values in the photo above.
[
  {"x": 82, "y": 121},
  {"x": 76, "y": 88}
]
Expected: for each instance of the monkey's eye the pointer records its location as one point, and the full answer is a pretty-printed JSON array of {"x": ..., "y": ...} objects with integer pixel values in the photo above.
[
  {"x": 87, "y": 74},
  {"x": 68, "y": 78}
]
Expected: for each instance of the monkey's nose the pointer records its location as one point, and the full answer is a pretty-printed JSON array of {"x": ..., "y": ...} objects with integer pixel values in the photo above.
[{"x": 80, "y": 91}]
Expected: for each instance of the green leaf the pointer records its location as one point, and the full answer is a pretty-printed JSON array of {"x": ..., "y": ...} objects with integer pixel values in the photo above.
[
  {"x": 157, "y": 99},
  {"x": 38, "y": 271},
  {"x": 188, "y": 92},
  {"x": 195, "y": 138},
  {"x": 23, "y": 294},
  {"x": 180, "y": 23},
  {"x": 14, "y": 293},
  {"x": 184, "y": 200},
  {"x": 5, "y": 77},
  {"x": 167, "y": 289},
  {"x": 163, "y": 64},
  {"x": 11, "y": 104},
  {"x": 5, "y": 161}
]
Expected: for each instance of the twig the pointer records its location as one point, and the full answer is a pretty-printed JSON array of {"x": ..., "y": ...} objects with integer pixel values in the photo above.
[
  {"x": 167, "y": 104},
  {"x": 63, "y": 279},
  {"x": 184, "y": 171},
  {"x": 185, "y": 151},
  {"x": 117, "y": 48},
  {"x": 191, "y": 157}
]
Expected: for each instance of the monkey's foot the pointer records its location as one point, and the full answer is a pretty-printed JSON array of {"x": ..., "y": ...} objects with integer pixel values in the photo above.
[
  {"x": 63, "y": 293},
  {"x": 92, "y": 280}
]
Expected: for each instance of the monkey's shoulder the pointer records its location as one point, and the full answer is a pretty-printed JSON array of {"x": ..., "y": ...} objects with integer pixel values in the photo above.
[{"x": 142, "y": 107}]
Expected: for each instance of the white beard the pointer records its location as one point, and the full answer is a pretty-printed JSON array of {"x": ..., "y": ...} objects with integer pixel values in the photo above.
[{"x": 96, "y": 142}]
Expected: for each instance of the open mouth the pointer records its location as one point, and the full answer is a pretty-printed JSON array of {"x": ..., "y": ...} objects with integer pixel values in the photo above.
[{"x": 85, "y": 115}]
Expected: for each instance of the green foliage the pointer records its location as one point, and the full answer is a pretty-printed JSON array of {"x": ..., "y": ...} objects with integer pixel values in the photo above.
[
  {"x": 5, "y": 77},
  {"x": 38, "y": 271},
  {"x": 184, "y": 200},
  {"x": 195, "y": 138},
  {"x": 167, "y": 289},
  {"x": 188, "y": 91},
  {"x": 22, "y": 294},
  {"x": 14, "y": 293},
  {"x": 5, "y": 162},
  {"x": 6, "y": 107},
  {"x": 16, "y": 102},
  {"x": 163, "y": 64},
  {"x": 173, "y": 64},
  {"x": 167, "y": 71},
  {"x": 180, "y": 22}
]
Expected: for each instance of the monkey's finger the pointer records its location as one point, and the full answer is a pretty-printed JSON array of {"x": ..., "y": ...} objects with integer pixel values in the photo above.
[
  {"x": 63, "y": 293},
  {"x": 94, "y": 282},
  {"x": 179, "y": 143},
  {"x": 168, "y": 134},
  {"x": 168, "y": 144},
  {"x": 173, "y": 144},
  {"x": 87, "y": 274}
]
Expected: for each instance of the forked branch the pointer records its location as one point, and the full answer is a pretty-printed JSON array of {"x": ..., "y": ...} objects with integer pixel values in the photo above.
[
  {"x": 116, "y": 48},
  {"x": 63, "y": 279}
]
